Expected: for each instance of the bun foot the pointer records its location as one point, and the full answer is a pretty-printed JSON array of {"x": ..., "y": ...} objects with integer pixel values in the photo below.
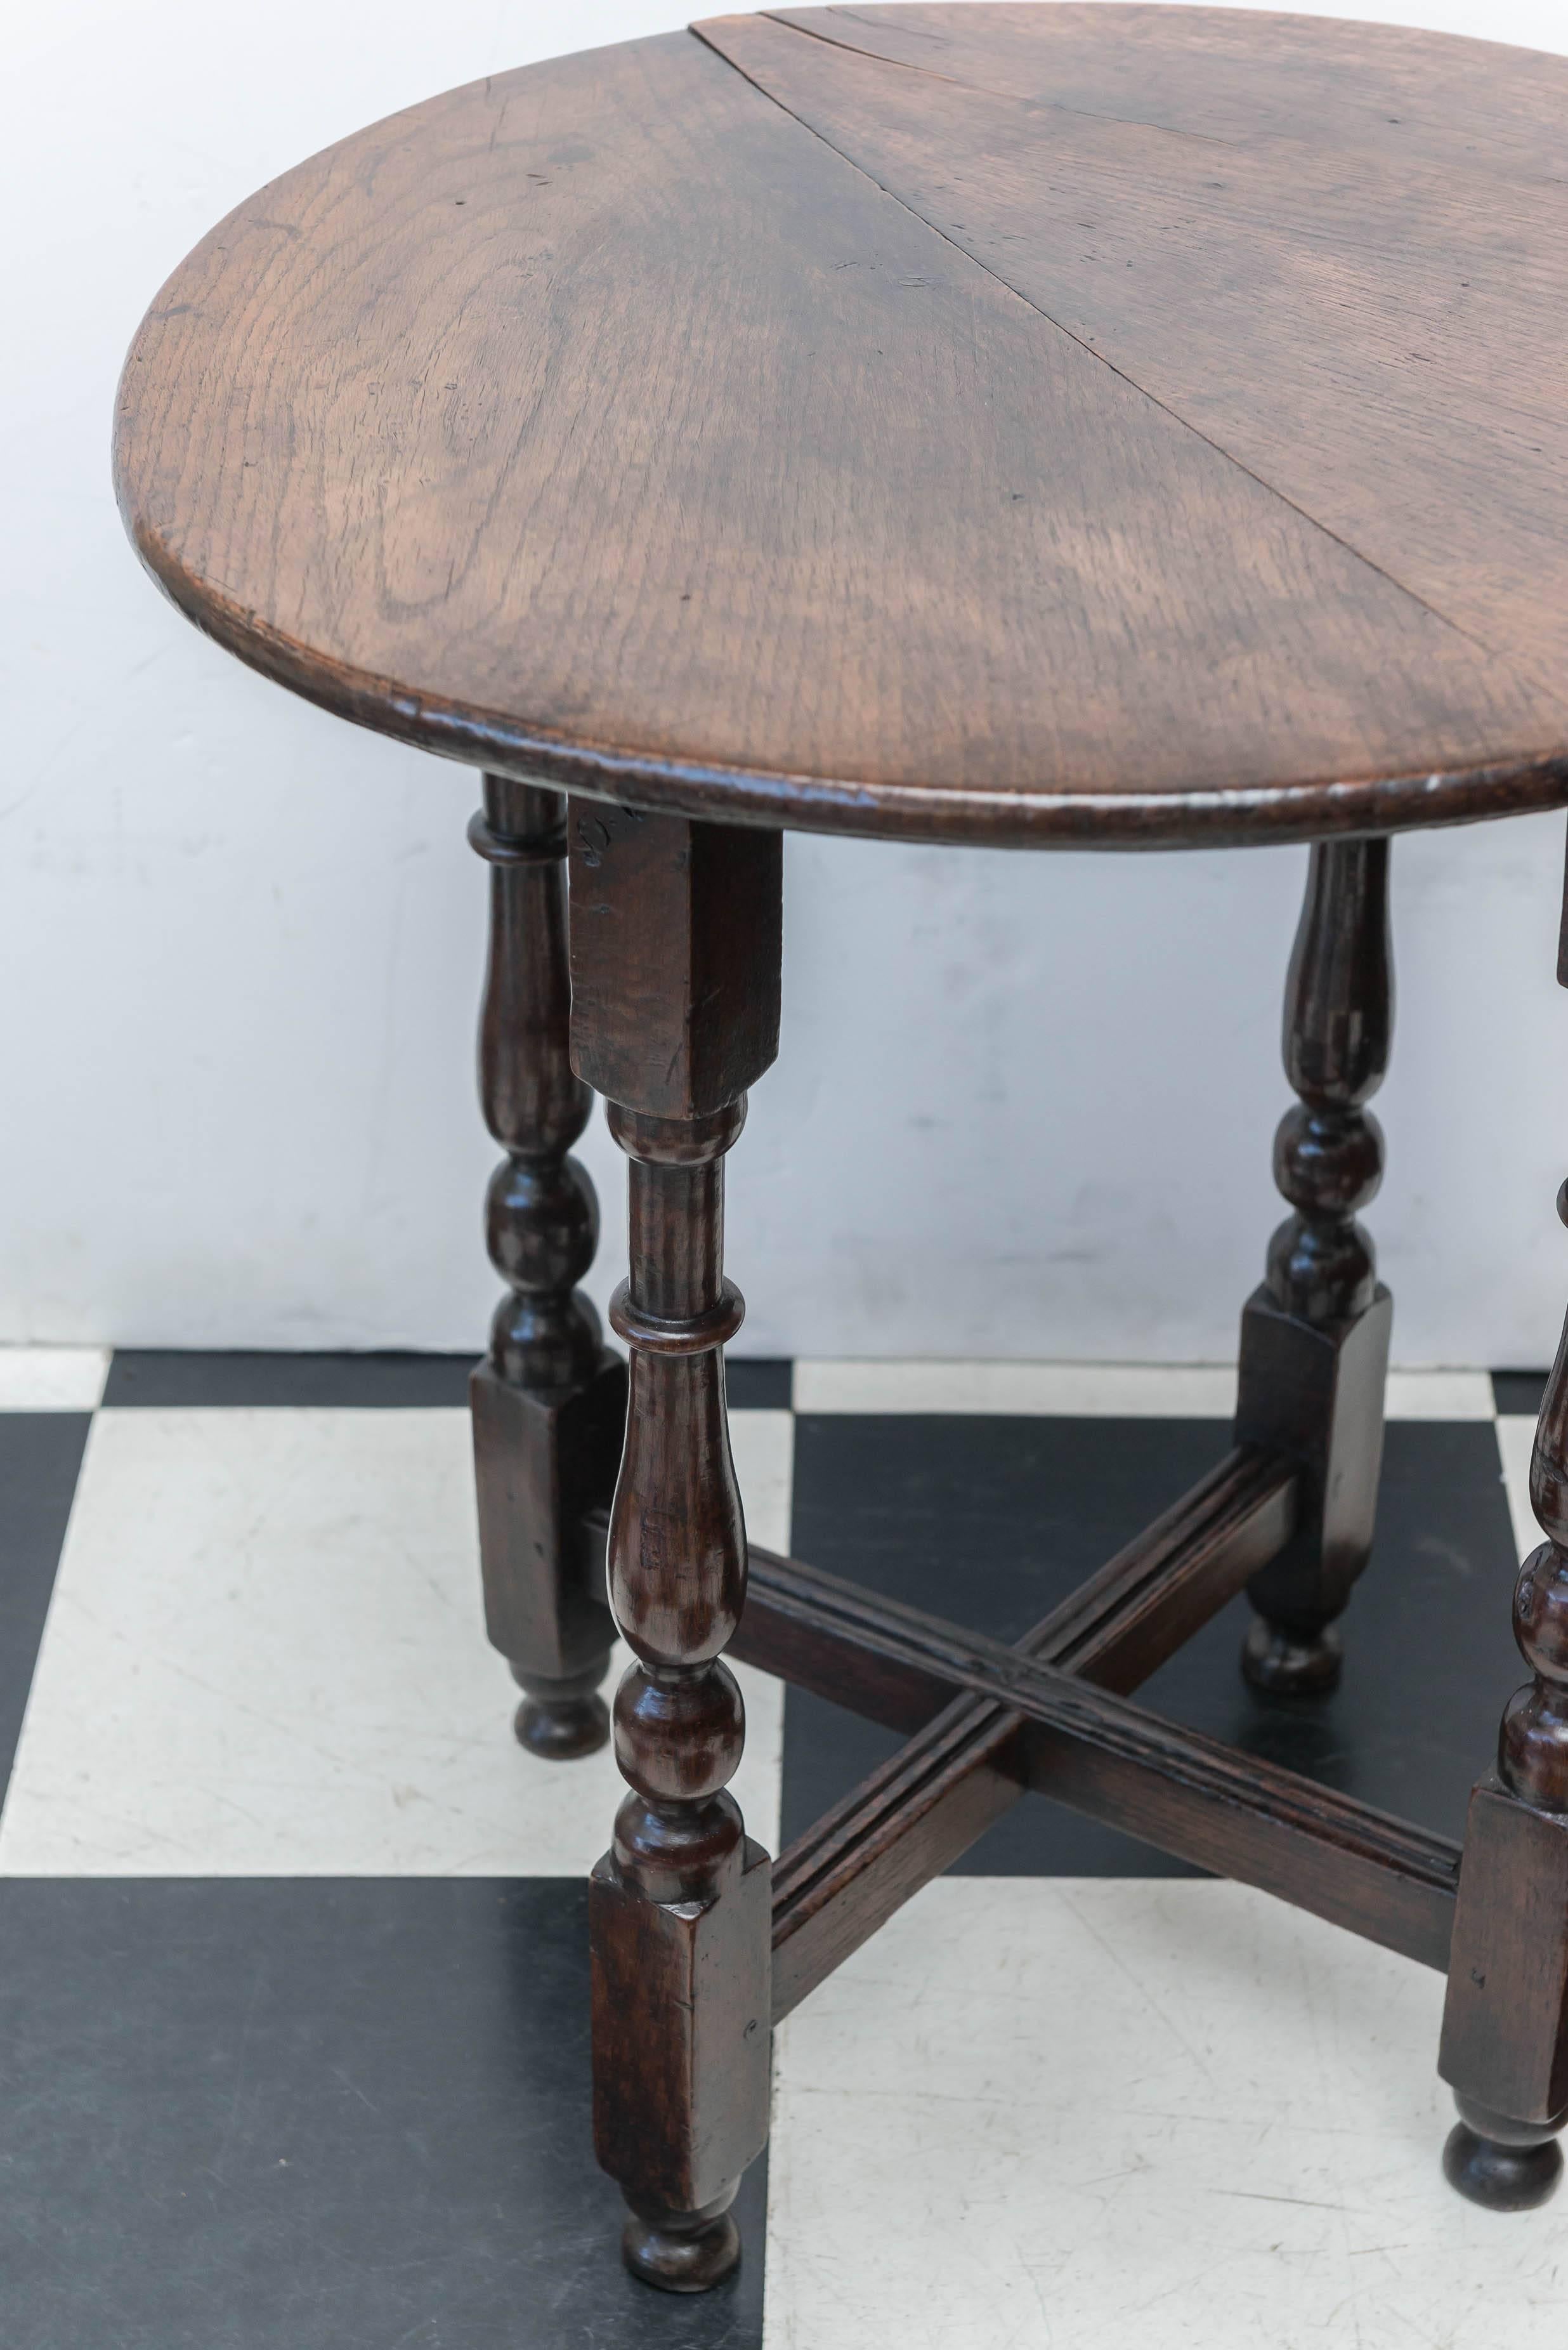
[
  {"x": 1502, "y": 2164},
  {"x": 682, "y": 2252},
  {"x": 1274, "y": 1660},
  {"x": 561, "y": 1719}
]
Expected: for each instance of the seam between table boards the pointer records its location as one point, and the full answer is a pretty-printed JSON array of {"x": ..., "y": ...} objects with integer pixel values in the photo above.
[
  {"x": 1493, "y": 652},
  {"x": 981, "y": 88}
]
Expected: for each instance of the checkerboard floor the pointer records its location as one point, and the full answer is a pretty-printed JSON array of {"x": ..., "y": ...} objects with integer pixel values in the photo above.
[{"x": 293, "y": 2046}]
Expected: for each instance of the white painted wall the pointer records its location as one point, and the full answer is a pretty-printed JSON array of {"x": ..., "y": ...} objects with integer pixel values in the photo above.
[{"x": 1024, "y": 1104}]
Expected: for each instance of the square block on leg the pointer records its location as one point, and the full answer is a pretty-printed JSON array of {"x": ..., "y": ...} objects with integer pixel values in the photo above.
[
  {"x": 682, "y": 2022},
  {"x": 1505, "y": 2024},
  {"x": 540, "y": 1461},
  {"x": 1316, "y": 1394}
]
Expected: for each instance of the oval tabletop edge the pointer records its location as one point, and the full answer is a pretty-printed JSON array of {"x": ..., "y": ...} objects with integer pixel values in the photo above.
[{"x": 595, "y": 423}]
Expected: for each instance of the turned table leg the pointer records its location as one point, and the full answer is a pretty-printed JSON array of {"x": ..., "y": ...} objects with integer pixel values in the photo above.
[
  {"x": 675, "y": 952},
  {"x": 1505, "y": 2023},
  {"x": 1314, "y": 1337},
  {"x": 548, "y": 1402}
]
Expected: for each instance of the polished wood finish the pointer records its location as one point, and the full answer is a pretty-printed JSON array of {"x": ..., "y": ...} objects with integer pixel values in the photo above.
[
  {"x": 1505, "y": 2047},
  {"x": 1028, "y": 425},
  {"x": 675, "y": 985},
  {"x": 1215, "y": 204},
  {"x": 920, "y": 1811},
  {"x": 1314, "y": 1338},
  {"x": 874, "y": 491},
  {"x": 1505, "y": 2026},
  {"x": 1191, "y": 1795},
  {"x": 1228, "y": 77},
  {"x": 549, "y": 1400},
  {"x": 1116, "y": 1628},
  {"x": 675, "y": 956}
]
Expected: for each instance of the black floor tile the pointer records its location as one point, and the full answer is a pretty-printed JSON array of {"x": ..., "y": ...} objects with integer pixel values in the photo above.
[
  {"x": 989, "y": 1522},
  {"x": 40, "y": 1456},
  {"x": 315, "y": 2114},
  {"x": 1518, "y": 1390},
  {"x": 1429, "y": 1654},
  {"x": 759, "y": 1382},
  {"x": 189, "y": 1377},
  {"x": 362, "y": 1381}
]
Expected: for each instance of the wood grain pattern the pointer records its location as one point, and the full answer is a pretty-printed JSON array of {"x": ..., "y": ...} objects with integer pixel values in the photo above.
[
  {"x": 676, "y": 968},
  {"x": 599, "y": 424},
  {"x": 1378, "y": 331},
  {"x": 1235, "y": 77}
]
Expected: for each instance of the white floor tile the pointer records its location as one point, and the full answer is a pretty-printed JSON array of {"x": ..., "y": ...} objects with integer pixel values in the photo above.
[
  {"x": 1440, "y": 1395},
  {"x": 1095, "y": 1390},
  {"x": 265, "y": 1654},
  {"x": 1086, "y": 1390},
  {"x": 52, "y": 1379},
  {"x": 764, "y": 1445},
  {"x": 1515, "y": 1442},
  {"x": 1055, "y": 2113}
]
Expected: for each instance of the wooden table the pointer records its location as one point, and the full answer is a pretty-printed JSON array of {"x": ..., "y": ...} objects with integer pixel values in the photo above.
[{"x": 1038, "y": 426}]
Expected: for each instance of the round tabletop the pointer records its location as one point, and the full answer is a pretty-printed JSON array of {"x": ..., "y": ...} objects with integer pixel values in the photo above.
[{"x": 1016, "y": 424}]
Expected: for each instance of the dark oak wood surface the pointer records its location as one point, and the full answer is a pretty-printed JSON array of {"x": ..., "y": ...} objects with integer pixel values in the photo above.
[
  {"x": 916, "y": 1813},
  {"x": 1314, "y": 1336},
  {"x": 1238, "y": 1813},
  {"x": 680, "y": 1906},
  {"x": 1327, "y": 298},
  {"x": 1023, "y": 424},
  {"x": 1505, "y": 2022},
  {"x": 549, "y": 1399}
]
